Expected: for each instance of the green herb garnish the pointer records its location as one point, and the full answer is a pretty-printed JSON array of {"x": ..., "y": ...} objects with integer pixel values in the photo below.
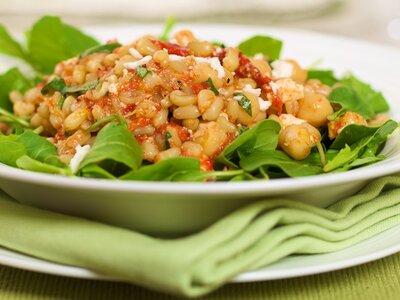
[
  {"x": 212, "y": 86},
  {"x": 107, "y": 48},
  {"x": 142, "y": 72},
  {"x": 244, "y": 102}
]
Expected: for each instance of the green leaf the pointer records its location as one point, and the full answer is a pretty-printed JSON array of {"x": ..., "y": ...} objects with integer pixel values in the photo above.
[
  {"x": 263, "y": 136},
  {"x": 218, "y": 44},
  {"x": 39, "y": 148},
  {"x": 367, "y": 93},
  {"x": 351, "y": 101},
  {"x": 95, "y": 171},
  {"x": 198, "y": 176},
  {"x": 9, "y": 46},
  {"x": 142, "y": 72},
  {"x": 114, "y": 143},
  {"x": 325, "y": 76},
  {"x": 10, "y": 81},
  {"x": 58, "y": 84},
  {"x": 51, "y": 41},
  {"x": 169, "y": 25},
  {"x": 107, "y": 48},
  {"x": 167, "y": 137},
  {"x": 27, "y": 163},
  {"x": 212, "y": 86},
  {"x": 244, "y": 102},
  {"x": 10, "y": 150},
  {"x": 164, "y": 170},
  {"x": 262, "y": 44},
  {"x": 276, "y": 158},
  {"x": 105, "y": 120}
]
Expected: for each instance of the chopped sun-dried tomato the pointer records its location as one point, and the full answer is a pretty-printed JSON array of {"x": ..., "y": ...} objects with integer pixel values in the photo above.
[
  {"x": 172, "y": 48},
  {"x": 206, "y": 164}
]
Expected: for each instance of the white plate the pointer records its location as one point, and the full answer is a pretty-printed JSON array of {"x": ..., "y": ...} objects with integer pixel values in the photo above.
[{"x": 381, "y": 245}]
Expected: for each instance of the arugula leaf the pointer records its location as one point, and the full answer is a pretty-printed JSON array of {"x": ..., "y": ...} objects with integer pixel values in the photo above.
[
  {"x": 353, "y": 133},
  {"x": 142, "y": 72},
  {"x": 39, "y": 148},
  {"x": 10, "y": 150},
  {"x": 351, "y": 101},
  {"x": 10, "y": 81},
  {"x": 95, "y": 171},
  {"x": 351, "y": 152},
  {"x": 263, "y": 136},
  {"x": 212, "y": 86},
  {"x": 169, "y": 25},
  {"x": 58, "y": 84},
  {"x": 114, "y": 143},
  {"x": 367, "y": 93},
  {"x": 244, "y": 102},
  {"x": 107, "y": 48},
  {"x": 261, "y": 44},
  {"x": 164, "y": 170},
  {"x": 277, "y": 158},
  {"x": 51, "y": 41},
  {"x": 10, "y": 46},
  {"x": 27, "y": 163},
  {"x": 325, "y": 76}
]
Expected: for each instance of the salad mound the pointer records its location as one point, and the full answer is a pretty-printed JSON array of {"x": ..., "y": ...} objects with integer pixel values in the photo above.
[{"x": 181, "y": 108}]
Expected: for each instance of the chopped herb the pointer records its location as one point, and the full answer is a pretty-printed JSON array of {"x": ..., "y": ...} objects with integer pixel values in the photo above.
[
  {"x": 219, "y": 44},
  {"x": 212, "y": 86},
  {"x": 107, "y": 93},
  {"x": 82, "y": 87},
  {"x": 61, "y": 102},
  {"x": 169, "y": 25},
  {"x": 106, "y": 120},
  {"x": 242, "y": 129},
  {"x": 107, "y": 48},
  {"x": 244, "y": 102},
  {"x": 167, "y": 137},
  {"x": 142, "y": 72}
]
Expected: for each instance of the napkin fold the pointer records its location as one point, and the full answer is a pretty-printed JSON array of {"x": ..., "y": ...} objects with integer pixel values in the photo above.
[{"x": 249, "y": 238}]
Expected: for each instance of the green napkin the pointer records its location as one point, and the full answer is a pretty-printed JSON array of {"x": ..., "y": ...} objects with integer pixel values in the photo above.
[{"x": 251, "y": 237}]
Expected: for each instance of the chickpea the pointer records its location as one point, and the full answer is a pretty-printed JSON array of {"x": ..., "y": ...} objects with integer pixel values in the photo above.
[
  {"x": 298, "y": 139},
  {"x": 298, "y": 74},
  {"x": 315, "y": 109},
  {"x": 335, "y": 127}
]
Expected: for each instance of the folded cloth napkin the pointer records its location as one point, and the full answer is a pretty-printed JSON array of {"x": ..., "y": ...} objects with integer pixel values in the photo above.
[{"x": 251, "y": 237}]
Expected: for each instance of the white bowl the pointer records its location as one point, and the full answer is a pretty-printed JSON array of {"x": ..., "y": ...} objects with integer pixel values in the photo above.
[{"x": 180, "y": 208}]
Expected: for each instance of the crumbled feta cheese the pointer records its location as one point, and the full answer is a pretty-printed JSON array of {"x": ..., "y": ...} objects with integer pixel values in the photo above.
[
  {"x": 287, "y": 89},
  {"x": 214, "y": 63},
  {"x": 135, "y": 53},
  {"x": 173, "y": 57},
  {"x": 259, "y": 56},
  {"x": 248, "y": 88},
  {"x": 80, "y": 154},
  {"x": 281, "y": 69},
  {"x": 112, "y": 88},
  {"x": 264, "y": 105},
  {"x": 288, "y": 119},
  {"x": 133, "y": 65}
]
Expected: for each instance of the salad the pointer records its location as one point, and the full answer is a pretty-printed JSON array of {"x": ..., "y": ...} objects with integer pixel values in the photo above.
[{"x": 177, "y": 108}]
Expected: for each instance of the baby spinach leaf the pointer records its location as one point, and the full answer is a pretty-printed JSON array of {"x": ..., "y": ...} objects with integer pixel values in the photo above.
[
  {"x": 39, "y": 148},
  {"x": 142, "y": 72},
  {"x": 261, "y": 44},
  {"x": 277, "y": 158},
  {"x": 107, "y": 48},
  {"x": 114, "y": 143},
  {"x": 10, "y": 81},
  {"x": 10, "y": 150},
  {"x": 351, "y": 101},
  {"x": 95, "y": 171},
  {"x": 169, "y": 25},
  {"x": 27, "y": 163},
  {"x": 164, "y": 170},
  {"x": 367, "y": 93},
  {"x": 263, "y": 136},
  {"x": 51, "y": 41},
  {"x": 325, "y": 76},
  {"x": 9, "y": 46},
  {"x": 244, "y": 102},
  {"x": 212, "y": 86}
]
